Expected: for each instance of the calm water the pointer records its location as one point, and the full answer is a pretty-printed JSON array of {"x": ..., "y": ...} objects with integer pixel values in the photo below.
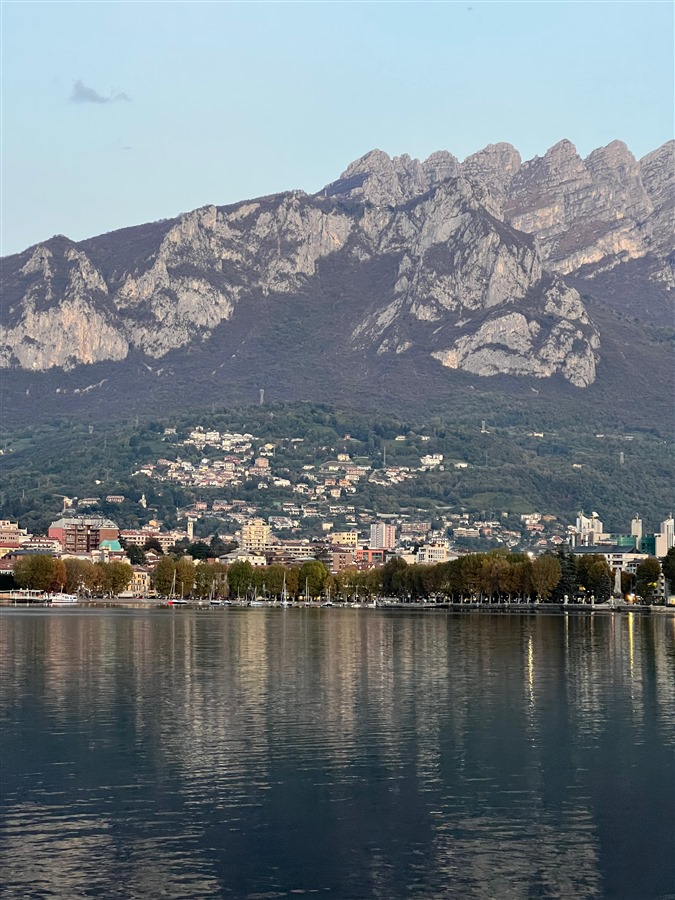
[{"x": 345, "y": 753}]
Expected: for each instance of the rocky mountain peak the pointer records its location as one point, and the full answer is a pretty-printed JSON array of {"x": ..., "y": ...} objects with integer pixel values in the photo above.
[
  {"x": 457, "y": 266},
  {"x": 562, "y": 151},
  {"x": 494, "y": 167},
  {"x": 440, "y": 166},
  {"x": 657, "y": 171},
  {"x": 392, "y": 181}
]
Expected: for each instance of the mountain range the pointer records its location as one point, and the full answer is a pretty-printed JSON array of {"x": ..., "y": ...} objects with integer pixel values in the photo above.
[{"x": 402, "y": 282}]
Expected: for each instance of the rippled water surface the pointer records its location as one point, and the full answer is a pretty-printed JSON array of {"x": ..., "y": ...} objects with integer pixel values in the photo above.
[{"x": 268, "y": 753}]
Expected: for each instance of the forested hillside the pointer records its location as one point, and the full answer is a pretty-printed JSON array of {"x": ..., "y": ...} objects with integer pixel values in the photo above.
[{"x": 519, "y": 463}]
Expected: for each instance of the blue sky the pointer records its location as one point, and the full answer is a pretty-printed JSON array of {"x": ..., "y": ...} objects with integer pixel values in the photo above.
[{"x": 119, "y": 113}]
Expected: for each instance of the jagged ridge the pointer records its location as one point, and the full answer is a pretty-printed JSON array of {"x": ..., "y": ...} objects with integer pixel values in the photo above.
[{"x": 470, "y": 248}]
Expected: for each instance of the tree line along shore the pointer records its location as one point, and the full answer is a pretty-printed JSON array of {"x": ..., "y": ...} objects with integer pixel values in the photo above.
[{"x": 495, "y": 576}]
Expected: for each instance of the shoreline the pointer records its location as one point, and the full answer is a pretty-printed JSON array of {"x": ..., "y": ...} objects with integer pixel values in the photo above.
[{"x": 462, "y": 608}]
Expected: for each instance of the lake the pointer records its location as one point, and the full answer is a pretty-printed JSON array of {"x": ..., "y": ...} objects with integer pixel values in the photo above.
[{"x": 266, "y": 753}]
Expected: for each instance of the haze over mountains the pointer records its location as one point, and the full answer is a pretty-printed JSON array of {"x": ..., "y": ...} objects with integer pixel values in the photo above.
[{"x": 401, "y": 279}]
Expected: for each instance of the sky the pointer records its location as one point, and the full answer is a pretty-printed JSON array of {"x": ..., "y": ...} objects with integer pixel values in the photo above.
[{"x": 119, "y": 113}]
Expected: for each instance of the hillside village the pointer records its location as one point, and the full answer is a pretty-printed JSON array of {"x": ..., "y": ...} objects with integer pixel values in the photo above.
[{"x": 321, "y": 511}]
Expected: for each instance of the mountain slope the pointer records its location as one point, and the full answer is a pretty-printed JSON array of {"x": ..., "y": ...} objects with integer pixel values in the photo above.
[{"x": 397, "y": 268}]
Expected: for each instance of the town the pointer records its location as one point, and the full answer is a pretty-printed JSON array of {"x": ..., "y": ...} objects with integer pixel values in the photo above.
[
  {"x": 85, "y": 555},
  {"x": 218, "y": 513}
]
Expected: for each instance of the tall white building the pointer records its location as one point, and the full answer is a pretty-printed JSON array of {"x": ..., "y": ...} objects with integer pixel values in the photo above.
[
  {"x": 588, "y": 529},
  {"x": 382, "y": 536},
  {"x": 255, "y": 536},
  {"x": 435, "y": 552},
  {"x": 665, "y": 539}
]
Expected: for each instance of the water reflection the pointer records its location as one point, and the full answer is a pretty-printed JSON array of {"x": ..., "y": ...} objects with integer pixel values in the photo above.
[{"x": 355, "y": 753}]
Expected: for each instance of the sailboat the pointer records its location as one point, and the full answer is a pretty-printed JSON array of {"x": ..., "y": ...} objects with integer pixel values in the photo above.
[
  {"x": 284, "y": 594},
  {"x": 254, "y": 601},
  {"x": 173, "y": 599},
  {"x": 327, "y": 601}
]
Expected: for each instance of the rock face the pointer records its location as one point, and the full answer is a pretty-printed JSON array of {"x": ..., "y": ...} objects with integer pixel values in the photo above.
[
  {"x": 475, "y": 267},
  {"x": 383, "y": 181},
  {"x": 583, "y": 212}
]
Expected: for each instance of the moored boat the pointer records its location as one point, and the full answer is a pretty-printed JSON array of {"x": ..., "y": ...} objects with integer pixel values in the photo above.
[{"x": 63, "y": 599}]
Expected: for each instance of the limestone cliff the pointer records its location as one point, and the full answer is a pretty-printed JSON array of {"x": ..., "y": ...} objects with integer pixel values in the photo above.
[{"x": 468, "y": 265}]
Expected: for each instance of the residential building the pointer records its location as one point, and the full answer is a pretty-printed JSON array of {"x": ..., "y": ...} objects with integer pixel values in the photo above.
[
  {"x": 370, "y": 557},
  {"x": 342, "y": 559},
  {"x": 345, "y": 538},
  {"x": 436, "y": 552},
  {"x": 10, "y": 531},
  {"x": 140, "y": 580},
  {"x": 255, "y": 536},
  {"x": 382, "y": 536},
  {"x": 140, "y": 536},
  {"x": 82, "y": 534}
]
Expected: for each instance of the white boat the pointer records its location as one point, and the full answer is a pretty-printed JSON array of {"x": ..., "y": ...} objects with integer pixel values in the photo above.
[
  {"x": 63, "y": 599},
  {"x": 284, "y": 595}
]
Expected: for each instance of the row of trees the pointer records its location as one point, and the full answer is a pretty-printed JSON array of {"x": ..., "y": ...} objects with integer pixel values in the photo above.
[
  {"x": 497, "y": 575},
  {"x": 494, "y": 575},
  {"x": 40, "y": 572}
]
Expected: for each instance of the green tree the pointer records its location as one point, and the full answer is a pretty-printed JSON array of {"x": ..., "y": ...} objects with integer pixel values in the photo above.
[
  {"x": 567, "y": 586},
  {"x": 494, "y": 574},
  {"x": 117, "y": 577},
  {"x": 517, "y": 582},
  {"x": 219, "y": 547},
  {"x": 393, "y": 580},
  {"x": 185, "y": 577},
  {"x": 39, "y": 572},
  {"x": 97, "y": 577},
  {"x": 627, "y": 582},
  {"x": 163, "y": 575},
  {"x": 647, "y": 579},
  {"x": 199, "y": 550},
  {"x": 135, "y": 554},
  {"x": 210, "y": 580},
  {"x": 272, "y": 580},
  {"x": 471, "y": 567},
  {"x": 58, "y": 575},
  {"x": 293, "y": 582},
  {"x": 239, "y": 576},
  {"x": 451, "y": 578},
  {"x": 373, "y": 582},
  {"x": 78, "y": 574},
  {"x": 545, "y": 574},
  {"x": 153, "y": 544},
  {"x": 313, "y": 573},
  {"x": 594, "y": 576}
]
